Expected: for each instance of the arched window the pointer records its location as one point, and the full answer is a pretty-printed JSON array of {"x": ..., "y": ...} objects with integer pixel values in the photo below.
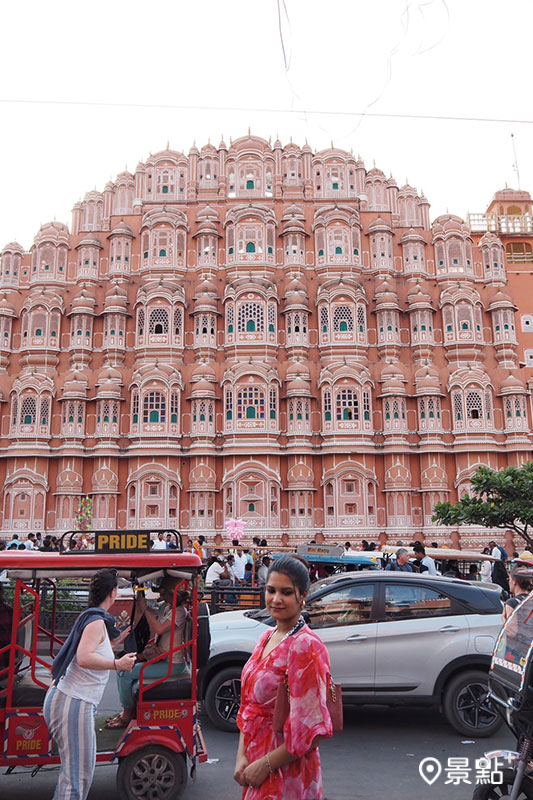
[
  {"x": 154, "y": 407},
  {"x": 250, "y": 246},
  {"x": 178, "y": 322},
  {"x": 343, "y": 319},
  {"x": 458, "y": 407},
  {"x": 28, "y": 411},
  {"x": 324, "y": 319},
  {"x": 229, "y": 404},
  {"x": 271, "y": 315},
  {"x": 361, "y": 319},
  {"x": 174, "y": 404},
  {"x": 272, "y": 404},
  {"x": 327, "y": 406},
  {"x": 231, "y": 317},
  {"x": 140, "y": 322},
  {"x": 158, "y": 321},
  {"x": 474, "y": 405},
  {"x": 251, "y": 317},
  {"x": 135, "y": 407},
  {"x": 347, "y": 405},
  {"x": 250, "y": 403}
]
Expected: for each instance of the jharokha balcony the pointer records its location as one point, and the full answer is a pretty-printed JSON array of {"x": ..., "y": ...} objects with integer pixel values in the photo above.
[{"x": 506, "y": 224}]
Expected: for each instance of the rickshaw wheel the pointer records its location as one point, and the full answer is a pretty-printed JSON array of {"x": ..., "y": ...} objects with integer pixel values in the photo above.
[
  {"x": 489, "y": 791},
  {"x": 466, "y": 707},
  {"x": 152, "y": 773}
]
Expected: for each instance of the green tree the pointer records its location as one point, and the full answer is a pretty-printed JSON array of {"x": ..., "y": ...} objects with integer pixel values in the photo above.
[{"x": 501, "y": 499}]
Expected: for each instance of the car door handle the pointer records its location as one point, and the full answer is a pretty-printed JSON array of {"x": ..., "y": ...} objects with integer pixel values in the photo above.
[
  {"x": 357, "y": 637},
  {"x": 449, "y": 629}
]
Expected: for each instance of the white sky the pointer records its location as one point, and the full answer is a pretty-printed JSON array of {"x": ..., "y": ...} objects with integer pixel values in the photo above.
[{"x": 444, "y": 57}]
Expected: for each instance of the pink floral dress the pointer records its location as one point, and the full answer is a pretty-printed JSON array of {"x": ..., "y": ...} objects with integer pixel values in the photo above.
[{"x": 304, "y": 657}]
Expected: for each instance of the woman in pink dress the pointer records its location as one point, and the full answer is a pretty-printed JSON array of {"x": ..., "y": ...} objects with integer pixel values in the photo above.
[{"x": 284, "y": 766}]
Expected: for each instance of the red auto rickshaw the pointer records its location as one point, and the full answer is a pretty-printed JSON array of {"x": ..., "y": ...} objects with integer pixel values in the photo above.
[{"x": 153, "y": 750}]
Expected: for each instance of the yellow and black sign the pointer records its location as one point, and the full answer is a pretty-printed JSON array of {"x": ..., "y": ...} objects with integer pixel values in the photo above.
[{"x": 122, "y": 541}]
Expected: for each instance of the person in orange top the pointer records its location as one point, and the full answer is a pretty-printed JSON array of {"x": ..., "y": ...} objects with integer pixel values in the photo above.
[{"x": 198, "y": 547}]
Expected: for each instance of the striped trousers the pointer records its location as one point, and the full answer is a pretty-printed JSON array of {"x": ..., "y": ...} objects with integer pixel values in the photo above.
[{"x": 71, "y": 723}]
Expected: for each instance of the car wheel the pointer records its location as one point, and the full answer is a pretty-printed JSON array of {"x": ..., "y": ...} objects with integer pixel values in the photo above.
[
  {"x": 223, "y": 698},
  {"x": 499, "y": 791},
  {"x": 152, "y": 773},
  {"x": 466, "y": 706}
]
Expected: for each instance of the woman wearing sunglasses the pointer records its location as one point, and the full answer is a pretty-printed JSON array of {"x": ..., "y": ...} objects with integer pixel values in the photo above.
[{"x": 80, "y": 672}]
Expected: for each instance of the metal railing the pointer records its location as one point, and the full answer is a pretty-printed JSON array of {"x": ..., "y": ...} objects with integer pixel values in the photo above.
[{"x": 229, "y": 598}]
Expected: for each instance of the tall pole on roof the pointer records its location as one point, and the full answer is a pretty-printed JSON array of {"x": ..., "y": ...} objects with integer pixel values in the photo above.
[{"x": 515, "y": 165}]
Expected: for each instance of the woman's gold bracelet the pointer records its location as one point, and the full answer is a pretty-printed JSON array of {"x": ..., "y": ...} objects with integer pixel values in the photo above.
[{"x": 267, "y": 762}]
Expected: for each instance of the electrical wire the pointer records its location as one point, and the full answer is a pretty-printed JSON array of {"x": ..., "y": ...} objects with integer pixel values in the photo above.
[{"x": 242, "y": 109}]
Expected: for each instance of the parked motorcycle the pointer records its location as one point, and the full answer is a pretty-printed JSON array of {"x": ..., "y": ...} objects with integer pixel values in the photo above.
[{"x": 511, "y": 692}]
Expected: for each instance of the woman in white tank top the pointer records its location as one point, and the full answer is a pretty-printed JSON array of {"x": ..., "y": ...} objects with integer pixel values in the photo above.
[{"x": 70, "y": 703}]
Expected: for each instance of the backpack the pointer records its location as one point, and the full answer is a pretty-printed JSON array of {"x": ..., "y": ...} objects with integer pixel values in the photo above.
[{"x": 503, "y": 553}]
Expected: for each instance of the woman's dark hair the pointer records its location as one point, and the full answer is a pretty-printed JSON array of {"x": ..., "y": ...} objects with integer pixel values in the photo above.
[
  {"x": 102, "y": 584},
  {"x": 295, "y": 568}
]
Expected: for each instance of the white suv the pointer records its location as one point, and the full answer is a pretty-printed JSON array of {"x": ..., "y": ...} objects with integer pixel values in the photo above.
[{"x": 394, "y": 638}]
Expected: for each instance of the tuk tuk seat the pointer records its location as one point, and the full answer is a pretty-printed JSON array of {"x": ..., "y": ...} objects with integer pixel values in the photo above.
[
  {"x": 167, "y": 690},
  {"x": 26, "y": 693}
]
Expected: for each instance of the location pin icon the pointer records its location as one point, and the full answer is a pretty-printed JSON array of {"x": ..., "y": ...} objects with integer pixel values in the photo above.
[{"x": 430, "y": 769}]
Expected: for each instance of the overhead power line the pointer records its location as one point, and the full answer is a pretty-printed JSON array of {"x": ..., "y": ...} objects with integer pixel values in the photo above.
[{"x": 242, "y": 109}]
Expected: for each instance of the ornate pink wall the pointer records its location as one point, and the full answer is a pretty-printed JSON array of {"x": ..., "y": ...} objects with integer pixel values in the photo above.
[{"x": 264, "y": 332}]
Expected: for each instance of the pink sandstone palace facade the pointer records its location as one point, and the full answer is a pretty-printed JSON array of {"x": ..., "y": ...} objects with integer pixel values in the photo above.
[{"x": 267, "y": 333}]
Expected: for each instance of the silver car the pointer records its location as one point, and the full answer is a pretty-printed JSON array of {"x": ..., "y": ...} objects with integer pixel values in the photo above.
[{"x": 394, "y": 638}]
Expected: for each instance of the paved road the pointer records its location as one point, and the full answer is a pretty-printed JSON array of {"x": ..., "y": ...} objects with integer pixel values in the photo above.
[{"x": 375, "y": 758}]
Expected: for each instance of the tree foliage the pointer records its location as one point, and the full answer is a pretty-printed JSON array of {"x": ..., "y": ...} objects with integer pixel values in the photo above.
[{"x": 501, "y": 499}]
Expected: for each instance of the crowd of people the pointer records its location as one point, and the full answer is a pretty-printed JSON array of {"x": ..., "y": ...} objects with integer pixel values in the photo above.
[
  {"x": 270, "y": 762},
  {"x": 33, "y": 541}
]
